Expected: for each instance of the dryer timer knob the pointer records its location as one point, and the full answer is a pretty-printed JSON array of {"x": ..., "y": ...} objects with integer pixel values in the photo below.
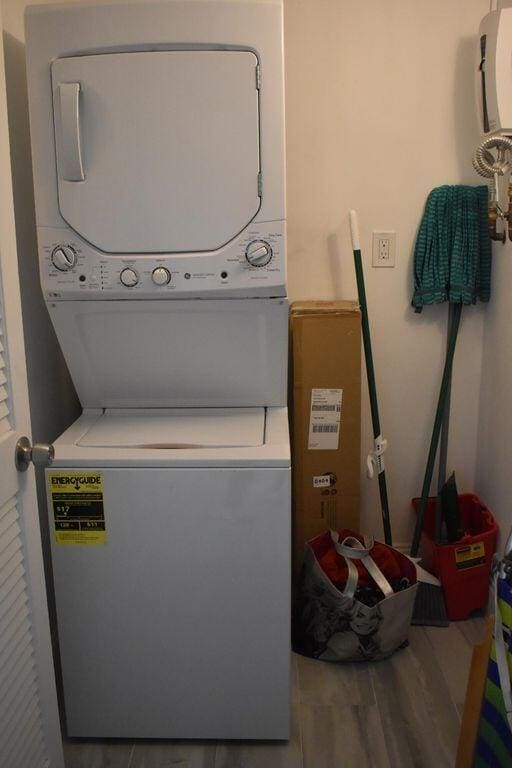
[
  {"x": 129, "y": 277},
  {"x": 161, "y": 276},
  {"x": 64, "y": 257},
  {"x": 258, "y": 253}
]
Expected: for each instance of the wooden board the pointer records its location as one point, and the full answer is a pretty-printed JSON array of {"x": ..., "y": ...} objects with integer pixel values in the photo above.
[{"x": 473, "y": 701}]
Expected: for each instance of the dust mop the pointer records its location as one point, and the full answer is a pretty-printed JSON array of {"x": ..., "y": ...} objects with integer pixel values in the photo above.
[
  {"x": 375, "y": 457},
  {"x": 452, "y": 262}
]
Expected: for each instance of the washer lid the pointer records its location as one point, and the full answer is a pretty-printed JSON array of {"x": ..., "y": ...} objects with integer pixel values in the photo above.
[
  {"x": 157, "y": 151},
  {"x": 177, "y": 428}
]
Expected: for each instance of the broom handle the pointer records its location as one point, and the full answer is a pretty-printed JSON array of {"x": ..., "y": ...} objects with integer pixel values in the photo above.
[
  {"x": 445, "y": 387},
  {"x": 370, "y": 372},
  {"x": 443, "y": 450}
]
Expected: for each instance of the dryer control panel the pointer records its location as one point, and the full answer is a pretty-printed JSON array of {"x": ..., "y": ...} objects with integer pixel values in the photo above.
[{"x": 251, "y": 265}]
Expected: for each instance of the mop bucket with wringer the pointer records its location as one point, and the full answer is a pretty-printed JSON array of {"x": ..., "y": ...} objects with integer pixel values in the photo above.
[{"x": 464, "y": 566}]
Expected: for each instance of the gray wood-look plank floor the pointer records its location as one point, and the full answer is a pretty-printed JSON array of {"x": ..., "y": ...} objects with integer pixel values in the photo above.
[{"x": 402, "y": 712}]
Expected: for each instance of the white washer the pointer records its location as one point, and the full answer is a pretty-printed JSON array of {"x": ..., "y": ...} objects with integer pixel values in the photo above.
[{"x": 177, "y": 626}]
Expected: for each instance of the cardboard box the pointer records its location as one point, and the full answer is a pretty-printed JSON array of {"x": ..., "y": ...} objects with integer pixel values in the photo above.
[{"x": 326, "y": 418}]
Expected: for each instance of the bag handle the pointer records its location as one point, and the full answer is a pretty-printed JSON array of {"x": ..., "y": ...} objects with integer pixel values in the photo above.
[{"x": 352, "y": 549}]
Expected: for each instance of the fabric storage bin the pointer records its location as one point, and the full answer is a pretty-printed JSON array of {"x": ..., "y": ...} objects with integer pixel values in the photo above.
[{"x": 331, "y": 622}]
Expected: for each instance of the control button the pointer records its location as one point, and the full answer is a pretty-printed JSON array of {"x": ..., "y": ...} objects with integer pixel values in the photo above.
[
  {"x": 161, "y": 276},
  {"x": 63, "y": 257},
  {"x": 258, "y": 253},
  {"x": 129, "y": 277}
]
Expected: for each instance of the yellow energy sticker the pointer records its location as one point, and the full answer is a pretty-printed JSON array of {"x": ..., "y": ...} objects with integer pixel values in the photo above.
[
  {"x": 78, "y": 512},
  {"x": 470, "y": 555}
]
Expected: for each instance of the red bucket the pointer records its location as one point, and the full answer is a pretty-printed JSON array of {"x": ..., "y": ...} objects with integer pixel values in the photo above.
[{"x": 463, "y": 567}]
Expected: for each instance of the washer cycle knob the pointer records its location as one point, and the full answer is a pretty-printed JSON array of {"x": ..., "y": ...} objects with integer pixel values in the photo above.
[
  {"x": 129, "y": 277},
  {"x": 258, "y": 253},
  {"x": 161, "y": 276},
  {"x": 63, "y": 257}
]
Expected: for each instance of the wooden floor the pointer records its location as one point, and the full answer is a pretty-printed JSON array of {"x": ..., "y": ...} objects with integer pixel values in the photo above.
[{"x": 401, "y": 712}]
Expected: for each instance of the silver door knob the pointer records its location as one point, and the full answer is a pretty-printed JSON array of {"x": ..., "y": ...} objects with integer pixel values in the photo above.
[{"x": 40, "y": 454}]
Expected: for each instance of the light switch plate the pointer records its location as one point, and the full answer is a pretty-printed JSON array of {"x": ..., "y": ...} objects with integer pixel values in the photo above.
[{"x": 384, "y": 249}]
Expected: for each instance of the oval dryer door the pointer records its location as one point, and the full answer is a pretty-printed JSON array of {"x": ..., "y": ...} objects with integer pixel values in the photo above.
[{"x": 157, "y": 151}]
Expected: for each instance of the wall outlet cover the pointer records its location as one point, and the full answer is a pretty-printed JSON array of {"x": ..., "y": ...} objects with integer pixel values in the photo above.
[{"x": 384, "y": 249}]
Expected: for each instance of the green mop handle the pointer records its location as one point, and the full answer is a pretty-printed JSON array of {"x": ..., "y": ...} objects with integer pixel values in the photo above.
[
  {"x": 370, "y": 374},
  {"x": 436, "y": 431}
]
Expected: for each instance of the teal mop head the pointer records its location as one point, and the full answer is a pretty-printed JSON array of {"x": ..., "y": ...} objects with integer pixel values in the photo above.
[{"x": 452, "y": 257}]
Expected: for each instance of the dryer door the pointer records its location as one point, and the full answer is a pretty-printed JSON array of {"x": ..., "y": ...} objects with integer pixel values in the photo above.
[{"x": 157, "y": 151}]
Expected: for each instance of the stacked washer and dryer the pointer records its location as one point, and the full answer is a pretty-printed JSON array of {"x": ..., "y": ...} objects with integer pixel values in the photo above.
[{"x": 158, "y": 150}]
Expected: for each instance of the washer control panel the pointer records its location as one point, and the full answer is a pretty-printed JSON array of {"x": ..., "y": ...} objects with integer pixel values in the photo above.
[{"x": 251, "y": 265}]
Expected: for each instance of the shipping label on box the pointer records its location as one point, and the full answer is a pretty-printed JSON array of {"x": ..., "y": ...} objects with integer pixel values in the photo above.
[
  {"x": 323, "y": 481},
  {"x": 324, "y": 419}
]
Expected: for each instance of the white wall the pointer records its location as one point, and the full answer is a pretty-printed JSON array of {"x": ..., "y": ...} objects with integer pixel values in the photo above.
[
  {"x": 379, "y": 110},
  {"x": 494, "y": 460},
  {"x": 53, "y": 400},
  {"x": 494, "y": 464}
]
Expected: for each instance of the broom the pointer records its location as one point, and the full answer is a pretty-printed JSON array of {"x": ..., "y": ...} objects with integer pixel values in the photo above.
[{"x": 375, "y": 457}]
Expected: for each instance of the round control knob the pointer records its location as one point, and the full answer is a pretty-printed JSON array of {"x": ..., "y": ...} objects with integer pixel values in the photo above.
[
  {"x": 64, "y": 257},
  {"x": 129, "y": 277},
  {"x": 161, "y": 276},
  {"x": 258, "y": 253}
]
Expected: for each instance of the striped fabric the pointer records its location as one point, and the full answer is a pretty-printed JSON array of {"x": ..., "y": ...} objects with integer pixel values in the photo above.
[
  {"x": 494, "y": 744},
  {"x": 452, "y": 256}
]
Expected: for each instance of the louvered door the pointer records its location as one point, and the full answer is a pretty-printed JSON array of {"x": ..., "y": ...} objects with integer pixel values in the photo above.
[{"x": 29, "y": 723}]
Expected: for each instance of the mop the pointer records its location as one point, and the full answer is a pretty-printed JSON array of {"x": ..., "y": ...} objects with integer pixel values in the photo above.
[
  {"x": 375, "y": 457},
  {"x": 452, "y": 262}
]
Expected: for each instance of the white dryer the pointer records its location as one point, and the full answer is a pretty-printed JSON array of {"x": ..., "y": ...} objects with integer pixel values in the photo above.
[{"x": 157, "y": 135}]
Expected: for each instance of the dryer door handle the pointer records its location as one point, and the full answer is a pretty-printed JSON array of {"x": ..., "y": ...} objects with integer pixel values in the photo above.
[{"x": 71, "y": 166}]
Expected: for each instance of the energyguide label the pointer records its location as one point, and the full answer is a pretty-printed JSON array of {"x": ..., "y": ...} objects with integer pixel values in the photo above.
[
  {"x": 78, "y": 510},
  {"x": 325, "y": 419}
]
